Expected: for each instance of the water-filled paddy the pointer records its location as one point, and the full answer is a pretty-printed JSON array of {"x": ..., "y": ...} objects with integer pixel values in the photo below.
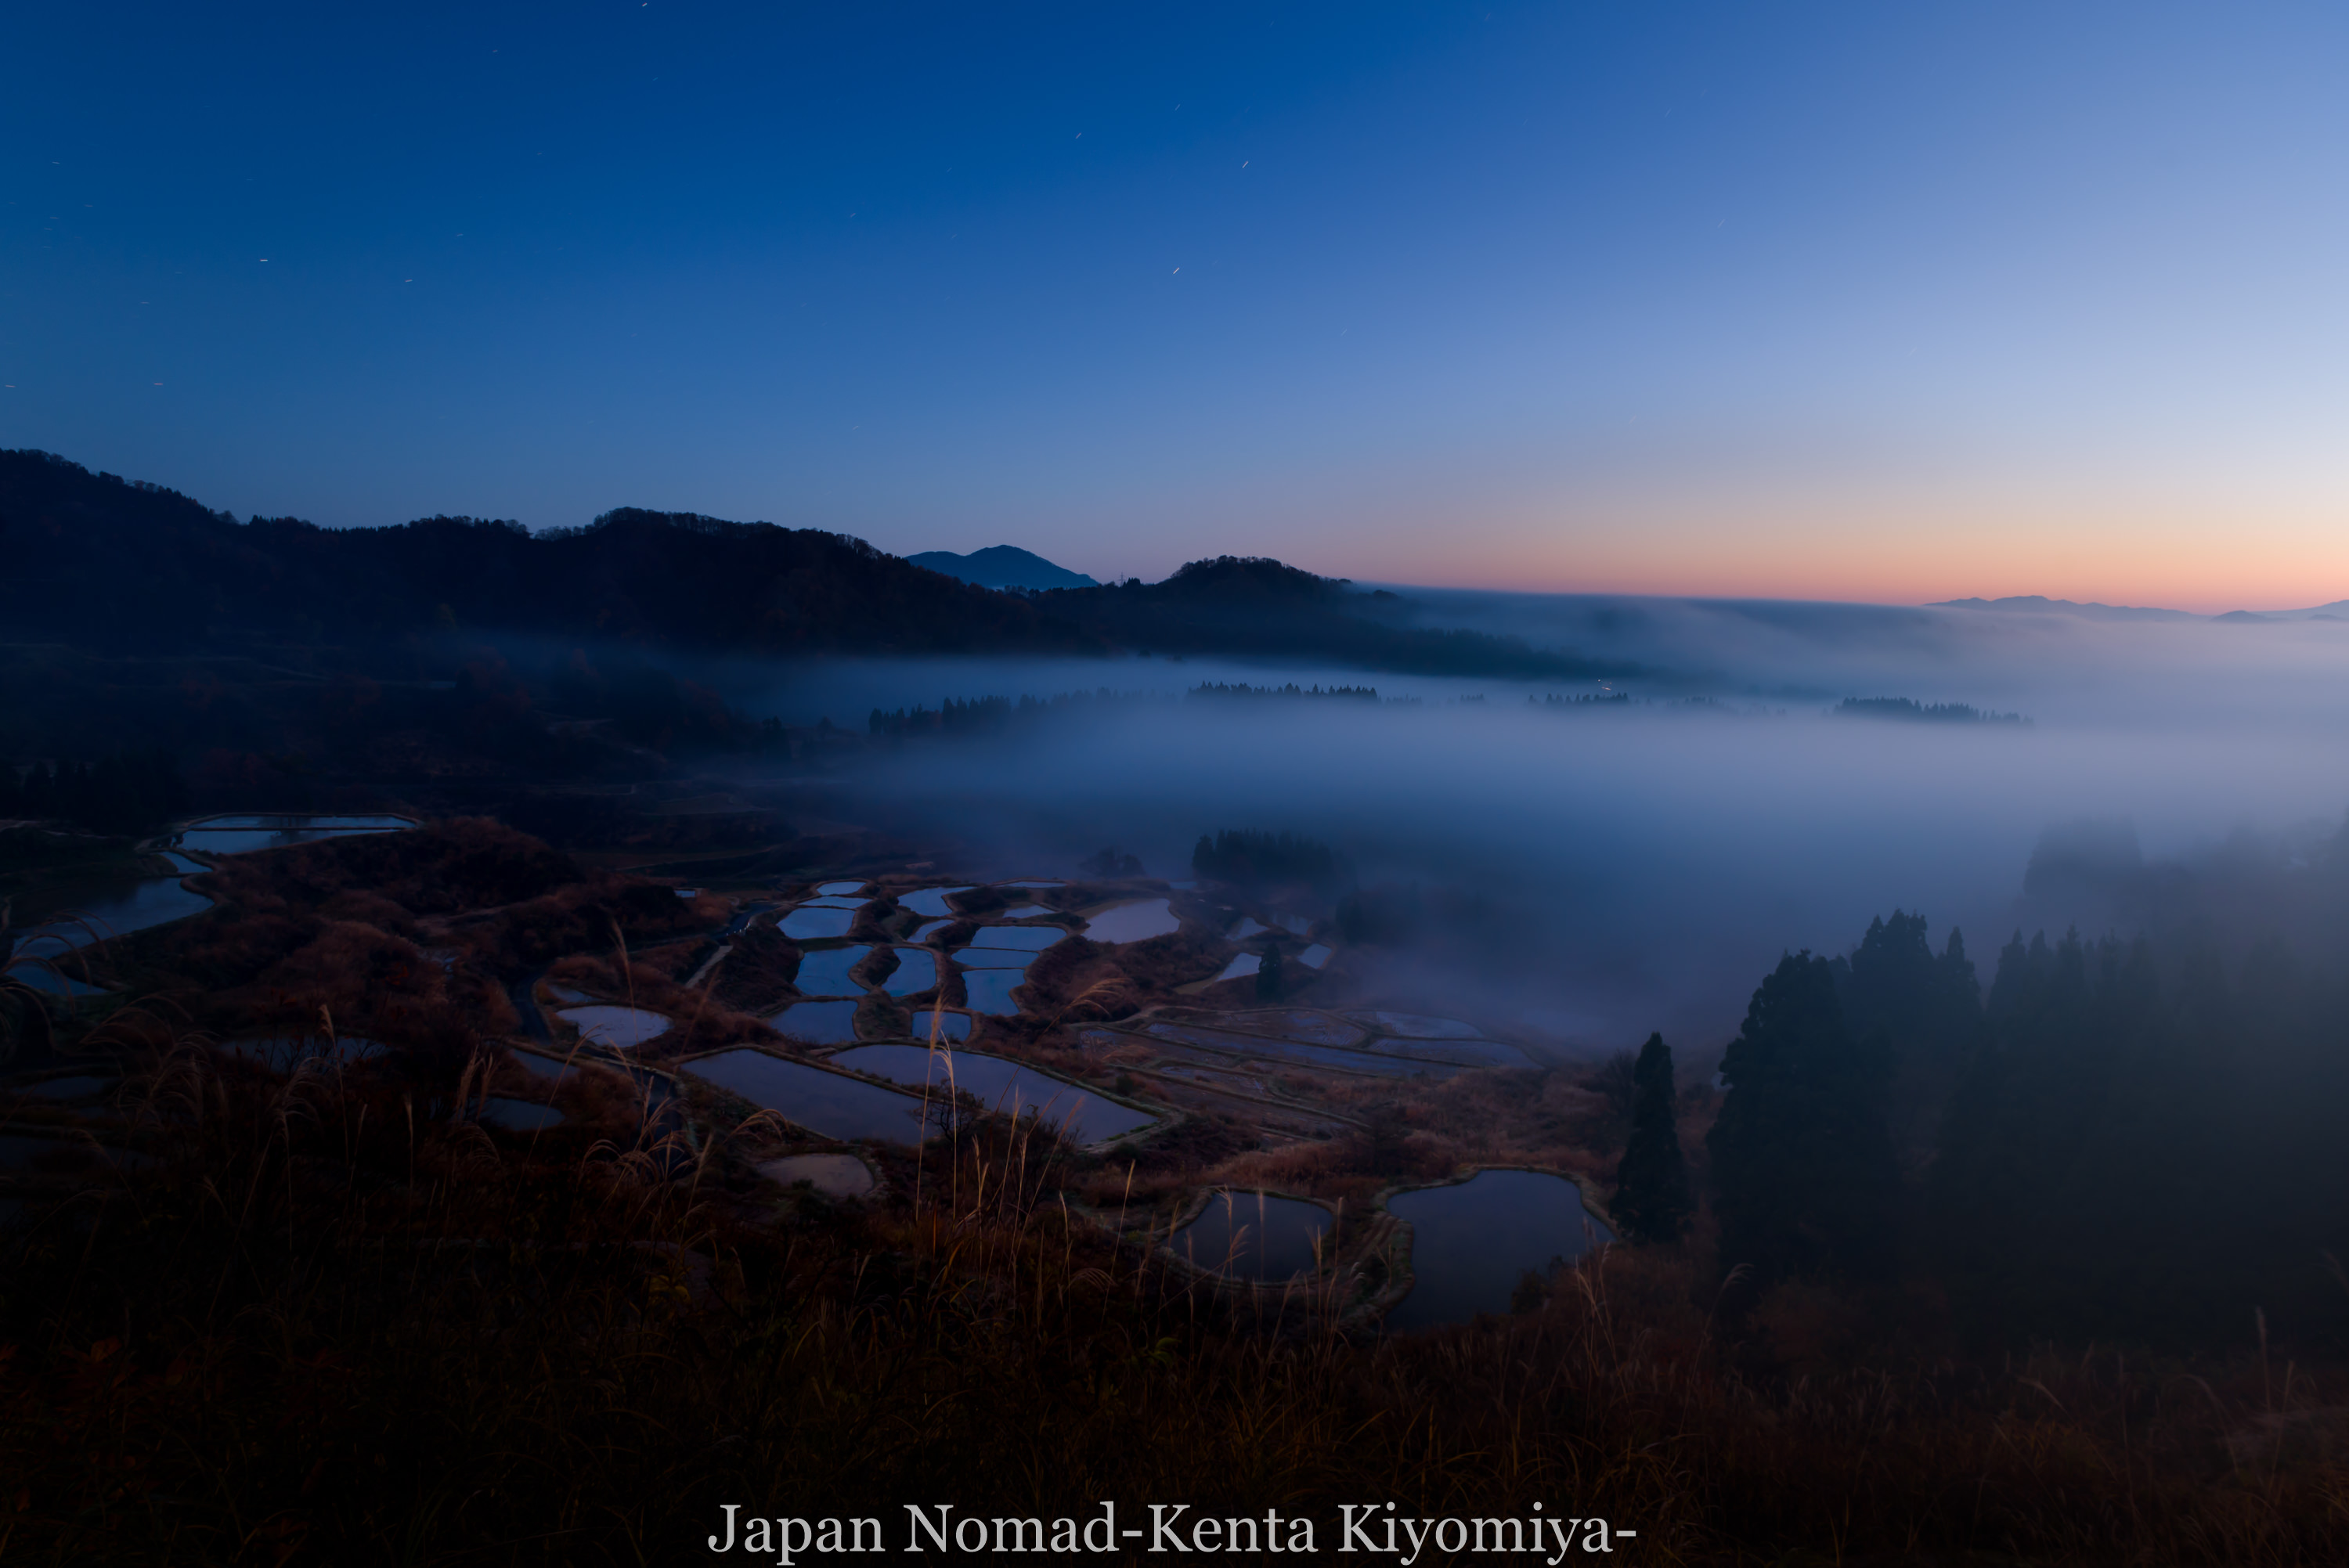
[
  {"x": 100, "y": 911},
  {"x": 567, "y": 992},
  {"x": 818, "y": 1023},
  {"x": 1134, "y": 921},
  {"x": 835, "y": 889},
  {"x": 620, "y": 1028},
  {"x": 1250, "y": 1236},
  {"x": 1464, "y": 1053},
  {"x": 1018, "y": 938},
  {"x": 1247, "y": 927},
  {"x": 1413, "y": 1025},
  {"x": 1001, "y": 1085},
  {"x": 823, "y": 972},
  {"x": 833, "y": 903},
  {"x": 1300, "y": 1023},
  {"x": 929, "y": 901},
  {"x": 245, "y": 834},
  {"x": 952, "y": 1026},
  {"x": 989, "y": 991},
  {"x": 1245, "y": 964},
  {"x": 1025, "y": 912},
  {"x": 1296, "y": 1051},
  {"x": 1314, "y": 956},
  {"x": 833, "y": 1175},
  {"x": 828, "y": 1104},
  {"x": 816, "y": 924},
  {"x": 916, "y": 971},
  {"x": 542, "y": 1066},
  {"x": 928, "y": 929},
  {"x": 1472, "y": 1242},
  {"x": 517, "y": 1115}
]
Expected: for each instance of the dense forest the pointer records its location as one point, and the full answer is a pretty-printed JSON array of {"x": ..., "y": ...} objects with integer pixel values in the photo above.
[
  {"x": 123, "y": 792},
  {"x": 2120, "y": 1138},
  {"x": 135, "y": 568}
]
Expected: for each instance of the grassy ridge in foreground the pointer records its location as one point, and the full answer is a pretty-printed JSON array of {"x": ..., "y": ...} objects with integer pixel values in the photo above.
[{"x": 323, "y": 1329}]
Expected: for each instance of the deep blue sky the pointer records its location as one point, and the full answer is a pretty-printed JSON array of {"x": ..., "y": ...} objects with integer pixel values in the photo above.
[{"x": 1885, "y": 300}]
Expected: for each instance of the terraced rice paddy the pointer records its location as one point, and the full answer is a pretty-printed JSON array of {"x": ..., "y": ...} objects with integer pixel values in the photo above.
[
  {"x": 1136, "y": 921},
  {"x": 1233, "y": 1043},
  {"x": 835, "y": 889},
  {"x": 1413, "y": 1025},
  {"x": 517, "y": 1115},
  {"x": 818, "y": 1023},
  {"x": 1298, "y": 1024},
  {"x": 615, "y": 1028},
  {"x": 823, "y": 972},
  {"x": 916, "y": 971},
  {"x": 805, "y": 925},
  {"x": 833, "y": 1175},
  {"x": 1082, "y": 1115},
  {"x": 1461, "y": 1053},
  {"x": 929, "y": 901},
  {"x": 1471, "y": 1242},
  {"x": 953, "y": 1028},
  {"x": 1253, "y": 1236},
  {"x": 1018, "y": 938},
  {"x": 239, "y": 835},
  {"x": 542, "y": 1066},
  {"x": 989, "y": 991},
  {"x": 828, "y": 1104}
]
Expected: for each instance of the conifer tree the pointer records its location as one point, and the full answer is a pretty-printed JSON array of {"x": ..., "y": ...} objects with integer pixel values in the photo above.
[
  {"x": 1653, "y": 1200},
  {"x": 1271, "y": 981},
  {"x": 1803, "y": 1169}
]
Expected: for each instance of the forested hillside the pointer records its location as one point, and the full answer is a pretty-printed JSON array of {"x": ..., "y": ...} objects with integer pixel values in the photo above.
[{"x": 99, "y": 562}]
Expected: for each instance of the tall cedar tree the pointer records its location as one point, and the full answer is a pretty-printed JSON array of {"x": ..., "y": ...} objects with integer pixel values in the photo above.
[
  {"x": 1652, "y": 1199},
  {"x": 1929, "y": 1011},
  {"x": 1271, "y": 980},
  {"x": 1804, "y": 1175}
]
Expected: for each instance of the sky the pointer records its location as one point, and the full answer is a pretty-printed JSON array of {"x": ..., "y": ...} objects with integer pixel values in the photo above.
[{"x": 1889, "y": 303}]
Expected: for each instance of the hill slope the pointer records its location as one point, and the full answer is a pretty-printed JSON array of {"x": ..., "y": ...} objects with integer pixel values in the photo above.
[
  {"x": 99, "y": 562},
  {"x": 1003, "y": 566}
]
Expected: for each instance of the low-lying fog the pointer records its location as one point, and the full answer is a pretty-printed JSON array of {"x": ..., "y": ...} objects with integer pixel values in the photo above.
[{"x": 1603, "y": 871}]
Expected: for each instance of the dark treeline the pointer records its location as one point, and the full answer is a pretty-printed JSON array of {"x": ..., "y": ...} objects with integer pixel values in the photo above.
[
  {"x": 1906, "y": 708},
  {"x": 994, "y": 715},
  {"x": 2133, "y": 1138},
  {"x": 1246, "y": 858},
  {"x": 99, "y": 562},
  {"x": 1209, "y": 690},
  {"x": 127, "y": 792}
]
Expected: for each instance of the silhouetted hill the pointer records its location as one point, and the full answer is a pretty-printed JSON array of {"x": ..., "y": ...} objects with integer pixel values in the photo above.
[
  {"x": 2039, "y": 604},
  {"x": 1003, "y": 566},
  {"x": 98, "y": 562}
]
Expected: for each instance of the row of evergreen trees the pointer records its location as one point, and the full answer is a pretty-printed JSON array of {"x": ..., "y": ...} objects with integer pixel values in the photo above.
[
  {"x": 128, "y": 792},
  {"x": 1248, "y": 858},
  {"x": 2116, "y": 1142}
]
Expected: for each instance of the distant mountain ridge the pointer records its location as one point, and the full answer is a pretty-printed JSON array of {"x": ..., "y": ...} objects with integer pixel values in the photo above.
[
  {"x": 1003, "y": 566},
  {"x": 95, "y": 562},
  {"x": 2039, "y": 604}
]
